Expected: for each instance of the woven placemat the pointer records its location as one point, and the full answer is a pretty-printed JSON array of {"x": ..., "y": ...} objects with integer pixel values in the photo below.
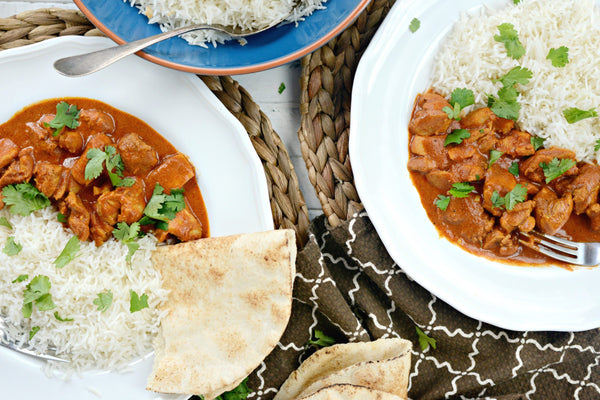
[
  {"x": 287, "y": 202},
  {"x": 325, "y": 94}
]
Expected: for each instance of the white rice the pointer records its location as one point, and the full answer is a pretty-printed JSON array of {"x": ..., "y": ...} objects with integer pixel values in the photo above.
[
  {"x": 97, "y": 340},
  {"x": 246, "y": 14},
  {"x": 471, "y": 58}
]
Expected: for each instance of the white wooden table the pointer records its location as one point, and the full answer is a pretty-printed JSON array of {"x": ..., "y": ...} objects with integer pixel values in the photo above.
[{"x": 282, "y": 109}]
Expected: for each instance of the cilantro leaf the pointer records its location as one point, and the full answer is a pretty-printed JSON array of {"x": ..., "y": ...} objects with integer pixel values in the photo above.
[
  {"x": 516, "y": 75},
  {"x": 58, "y": 317},
  {"x": 461, "y": 190},
  {"x": 33, "y": 331},
  {"x": 95, "y": 164},
  {"x": 4, "y": 222},
  {"x": 517, "y": 195},
  {"x": 537, "y": 142},
  {"x": 104, "y": 300},
  {"x": 510, "y": 38},
  {"x": 321, "y": 340},
  {"x": 457, "y": 136},
  {"x": 424, "y": 340},
  {"x": 453, "y": 113},
  {"x": 497, "y": 200},
  {"x": 516, "y": 1},
  {"x": 12, "y": 248},
  {"x": 505, "y": 105},
  {"x": 415, "y": 24},
  {"x": 241, "y": 392},
  {"x": 45, "y": 303},
  {"x": 137, "y": 303},
  {"x": 494, "y": 156},
  {"x": 597, "y": 145},
  {"x": 442, "y": 202},
  {"x": 61, "y": 218},
  {"x": 559, "y": 57},
  {"x": 127, "y": 234},
  {"x": 37, "y": 291},
  {"x": 98, "y": 159},
  {"x": 574, "y": 114},
  {"x": 514, "y": 169},
  {"x": 66, "y": 115},
  {"x": 463, "y": 97},
  {"x": 163, "y": 207},
  {"x": 24, "y": 198},
  {"x": 21, "y": 278},
  {"x": 281, "y": 88},
  {"x": 556, "y": 168},
  {"x": 69, "y": 253}
]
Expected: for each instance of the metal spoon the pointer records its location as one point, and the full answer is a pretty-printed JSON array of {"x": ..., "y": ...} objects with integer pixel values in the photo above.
[{"x": 88, "y": 63}]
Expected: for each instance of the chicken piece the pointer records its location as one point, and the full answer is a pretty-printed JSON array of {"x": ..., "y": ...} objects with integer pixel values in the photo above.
[
  {"x": 160, "y": 235},
  {"x": 97, "y": 121},
  {"x": 185, "y": 226},
  {"x": 585, "y": 187},
  {"x": 428, "y": 118},
  {"x": 71, "y": 141},
  {"x": 124, "y": 204},
  {"x": 104, "y": 188},
  {"x": 100, "y": 231},
  {"x": 48, "y": 177},
  {"x": 531, "y": 167},
  {"x": 78, "y": 169},
  {"x": 519, "y": 217},
  {"x": 516, "y": 144},
  {"x": 551, "y": 212},
  {"x": 19, "y": 170},
  {"x": 47, "y": 141},
  {"x": 503, "y": 243},
  {"x": 108, "y": 206},
  {"x": 79, "y": 217},
  {"x": 469, "y": 170},
  {"x": 66, "y": 183},
  {"x": 431, "y": 147},
  {"x": 421, "y": 164},
  {"x": 468, "y": 213},
  {"x": 172, "y": 173},
  {"x": 484, "y": 118},
  {"x": 497, "y": 179},
  {"x": 461, "y": 151},
  {"x": 593, "y": 212},
  {"x": 487, "y": 143},
  {"x": 138, "y": 157},
  {"x": 8, "y": 152},
  {"x": 441, "y": 179}
]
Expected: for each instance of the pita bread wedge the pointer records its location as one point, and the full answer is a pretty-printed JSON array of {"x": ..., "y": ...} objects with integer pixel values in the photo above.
[
  {"x": 350, "y": 392},
  {"x": 383, "y": 365},
  {"x": 229, "y": 302}
]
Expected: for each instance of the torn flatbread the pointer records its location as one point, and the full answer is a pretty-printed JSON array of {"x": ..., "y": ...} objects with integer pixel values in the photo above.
[
  {"x": 230, "y": 301},
  {"x": 350, "y": 392}
]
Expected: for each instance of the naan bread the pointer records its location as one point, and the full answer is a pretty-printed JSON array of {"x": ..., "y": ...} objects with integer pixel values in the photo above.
[
  {"x": 350, "y": 392},
  {"x": 230, "y": 300},
  {"x": 383, "y": 365}
]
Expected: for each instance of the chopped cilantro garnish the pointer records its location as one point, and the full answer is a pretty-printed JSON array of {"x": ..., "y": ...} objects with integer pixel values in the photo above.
[
  {"x": 12, "y": 248},
  {"x": 320, "y": 340},
  {"x": 442, "y": 202},
  {"x": 37, "y": 291},
  {"x": 127, "y": 234},
  {"x": 516, "y": 1},
  {"x": 137, "y": 303},
  {"x": 597, "y": 145},
  {"x": 66, "y": 115},
  {"x": 497, "y": 200},
  {"x": 424, "y": 340},
  {"x": 58, "y": 317},
  {"x": 510, "y": 38},
  {"x": 514, "y": 169},
  {"x": 463, "y": 97},
  {"x": 517, "y": 195},
  {"x": 457, "y": 136},
  {"x": 494, "y": 156},
  {"x": 281, "y": 88},
  {"x": 4, "y": 222},
  {"x": 240, "y": 392},
  {"x": 163, "y": 207},
  {"x": 97, "y": 159},
  {"x": 33, "y": 331},
  {"x": 537, "y": 142},
  {"x": 556, "y": 168},
  {"x": 461, "y": 190},
  {"x": 415, "y": 24},
  {"x": 104, "y": 300},
  {"x": 69, "y": 253},
  {"x": 516, "y": 75},
  {"x": 24, "y": 198},
  {"x": 20, "y": 278},
  {"x": 505, "y": 105},
  {"x": 61, "y": 218},
  {"x": 574, "y": 114},
  {"x": 453, "y": 113},
  {"x": 559, "y": 57}
]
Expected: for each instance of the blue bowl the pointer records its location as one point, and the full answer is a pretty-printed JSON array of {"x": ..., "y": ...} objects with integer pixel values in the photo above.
[{"x": 282, "y": 44}]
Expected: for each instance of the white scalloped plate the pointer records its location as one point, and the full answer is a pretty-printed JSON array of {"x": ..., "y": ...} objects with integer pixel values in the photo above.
[
  {"x": 181, "y": 108},
  {"x": 393, "y": 70}
]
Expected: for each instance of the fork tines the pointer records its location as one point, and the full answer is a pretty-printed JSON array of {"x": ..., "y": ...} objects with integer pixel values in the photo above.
[{"x": 553, "y": 246}]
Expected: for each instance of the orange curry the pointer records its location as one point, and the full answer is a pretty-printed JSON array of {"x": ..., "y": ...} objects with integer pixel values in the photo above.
[{"x": 55, "y": 160}]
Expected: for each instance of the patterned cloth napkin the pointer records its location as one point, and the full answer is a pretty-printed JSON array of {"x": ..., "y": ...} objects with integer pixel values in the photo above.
[{"x": 349, "y": 288}]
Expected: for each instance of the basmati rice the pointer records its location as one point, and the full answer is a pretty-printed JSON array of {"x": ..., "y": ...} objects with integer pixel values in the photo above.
[{"x": 471, "y": 58}]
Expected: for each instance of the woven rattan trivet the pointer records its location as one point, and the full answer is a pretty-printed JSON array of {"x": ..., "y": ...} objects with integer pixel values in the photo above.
[
  {"x": 287, "y": 202},
  {"x": 325, "y": 93}
]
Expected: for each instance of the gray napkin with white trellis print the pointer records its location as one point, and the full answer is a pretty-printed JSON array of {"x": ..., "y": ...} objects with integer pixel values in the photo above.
[{"x": 348, "y": 287}]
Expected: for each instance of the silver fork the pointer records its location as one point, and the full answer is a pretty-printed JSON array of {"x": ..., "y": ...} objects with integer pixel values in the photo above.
[
  {"x": 579, "y": 253},
  {"x": 25, "y": 348}
]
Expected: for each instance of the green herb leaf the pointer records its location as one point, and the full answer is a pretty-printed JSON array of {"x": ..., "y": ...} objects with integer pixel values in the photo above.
[
  {"x": 58, "y": 317},
  {"x": 556, "y": 168},
  {"x": 45, "y": 303},
  {"x": 4, "y": 222},
  {"x": 537, "y": 142},
  {"x": 597, "y": 145},
  {"x": 33, "y": 331},
  {"x": 463, "y": 97},
  {"x": 514, "y": 169},
  {"x": 281, "y": 88},
  {"x": 457, "y": 136},
  {"x": 95, "y": 164},
  {"x": 163, "y": 207},
  {"x": 497, "y": 200},
  {"x": 241, "y": 392},
  {"x": 574, "y": 114},
  {"x": 559, "y": 57},
  {"x": 12, "y": 248},
  {"x": 415, "y": 24},
  {"x": 98, "y": 159},
  {"x": 69, "y": 253},
  {"x": 494, "y": 156},
  {"x": 424, "y": 340},
  {"x": 38, "y": 291},
  {"x": 442, "y": 202},
  {"x": 516, "y": 1},
  {"x": 104, "y": 300},
  {"x": 66, "y": 115},
  {"x": 24, "y": 198},
  {"x": 516, "y": 75},
  {"x": 510, "y": 38},
  {"x": 505, "y": 105},
  {"x": 127, "y": 234},
  {"x": 61, "y": 218},
  {"x": 137, "y": 303},
  {"x": 320, "y": 340},
  {"x": 21, "y": 278},
  {"x": 515, "y": 196},
  {"x": 461, "y": 190},
  {"x": 453, "y": 113}
]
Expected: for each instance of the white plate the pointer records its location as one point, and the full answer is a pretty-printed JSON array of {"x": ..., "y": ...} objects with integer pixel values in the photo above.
[
  {"x": 182, "y": 109},
  {"x": 393, "y": 70}
]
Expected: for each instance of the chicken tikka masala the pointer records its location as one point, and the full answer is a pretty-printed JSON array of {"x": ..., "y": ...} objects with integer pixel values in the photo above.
[
  {"x": 482, "y": 182},
  {"x": 102, "y": 168}
]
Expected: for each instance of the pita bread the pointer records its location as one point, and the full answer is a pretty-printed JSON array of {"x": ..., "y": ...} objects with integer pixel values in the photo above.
[
  {"x": 383, "y": 365},
  {"x": 230, "y": 300},
  {"x": 350, "y": 392}
]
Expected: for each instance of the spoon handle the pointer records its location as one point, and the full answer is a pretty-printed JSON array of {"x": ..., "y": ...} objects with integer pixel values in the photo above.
[{"x": 85, "y": 64}]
